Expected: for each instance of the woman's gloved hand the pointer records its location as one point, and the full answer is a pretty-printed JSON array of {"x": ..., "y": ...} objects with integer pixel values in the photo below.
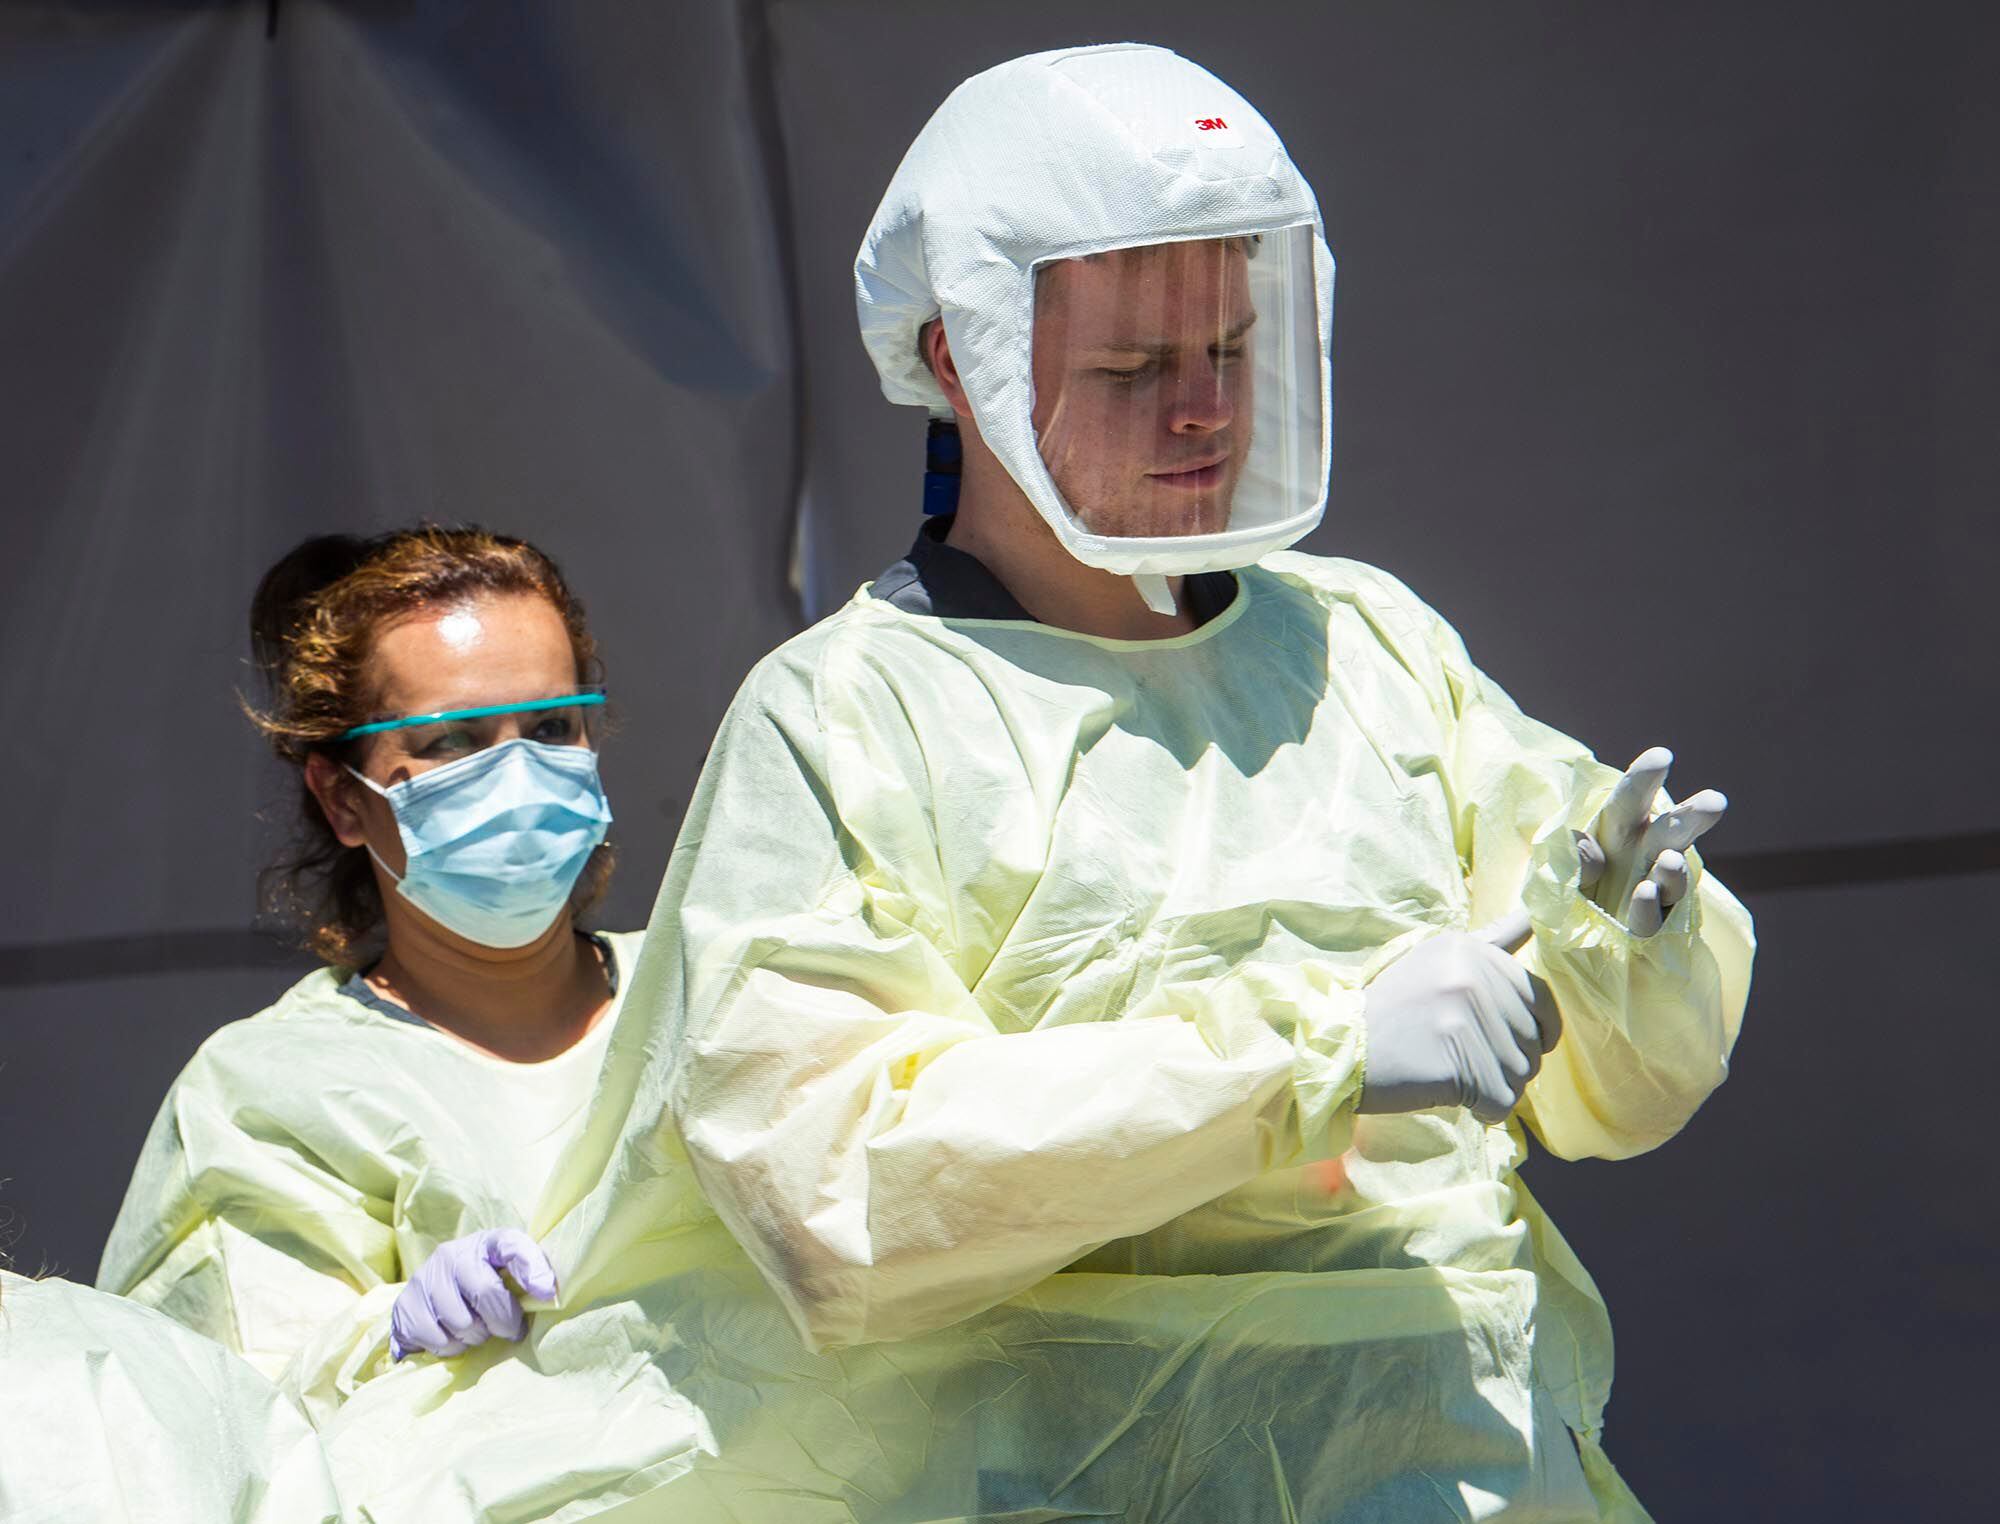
[
  {"x": 1456, "y": 1021},
  {"x": 1634, "y": 862},
  {"x": 457, "y": 1298}
]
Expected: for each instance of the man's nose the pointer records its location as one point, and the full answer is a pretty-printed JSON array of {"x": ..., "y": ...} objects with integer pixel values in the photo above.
[{"x": 1199, "y": 401}]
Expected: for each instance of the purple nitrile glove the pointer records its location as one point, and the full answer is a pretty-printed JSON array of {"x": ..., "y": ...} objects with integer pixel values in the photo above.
[{"x": 457, "y": 1298}]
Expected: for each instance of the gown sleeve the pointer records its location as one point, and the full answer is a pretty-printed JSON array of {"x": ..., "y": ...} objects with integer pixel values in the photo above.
[
  {"x": 1648, "y": 1022},
  {"x": 891, "y": 1159},
  {"x": 240, "y": 1225},
  {"x": 113, "y": 1413}
]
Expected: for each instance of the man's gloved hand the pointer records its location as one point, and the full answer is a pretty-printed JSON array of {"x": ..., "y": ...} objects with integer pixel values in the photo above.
[
  {"x": 1633, "y": 860},
  {"x": 1456, "y": 1021},
  {"x": 457, "y": 1298}
]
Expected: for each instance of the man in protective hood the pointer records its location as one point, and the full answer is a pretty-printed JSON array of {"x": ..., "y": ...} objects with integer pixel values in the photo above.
[{"x": 1112, "y": 962}]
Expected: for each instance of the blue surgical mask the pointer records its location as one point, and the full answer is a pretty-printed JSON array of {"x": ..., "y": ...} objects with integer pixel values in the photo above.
[{"x": 496, "y": 841}]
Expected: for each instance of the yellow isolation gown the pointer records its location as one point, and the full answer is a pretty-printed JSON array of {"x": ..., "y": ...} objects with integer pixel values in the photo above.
[{"x": 1004, "y": 1000}]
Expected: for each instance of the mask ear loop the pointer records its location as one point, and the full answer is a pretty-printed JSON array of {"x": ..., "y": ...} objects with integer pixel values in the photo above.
[
  {"x": 369, "y": 783},
  {"x": 394, "y": 876}
]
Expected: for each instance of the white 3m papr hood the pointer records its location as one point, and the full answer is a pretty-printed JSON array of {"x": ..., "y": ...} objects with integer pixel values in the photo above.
[{"x": 1064, "y": 154}]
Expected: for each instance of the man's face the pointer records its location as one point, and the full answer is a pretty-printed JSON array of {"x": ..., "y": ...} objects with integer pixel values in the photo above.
[{"x": 1142, "y": 385}]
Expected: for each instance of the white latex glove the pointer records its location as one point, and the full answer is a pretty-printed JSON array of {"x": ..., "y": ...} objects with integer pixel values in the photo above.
[
  {"x": 1456, "y": 1021},
  {"x": 1633, "y": 860}
]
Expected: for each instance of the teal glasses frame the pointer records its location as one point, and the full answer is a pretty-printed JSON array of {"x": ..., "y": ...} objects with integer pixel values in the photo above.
[{"x": 484, "y": 711}]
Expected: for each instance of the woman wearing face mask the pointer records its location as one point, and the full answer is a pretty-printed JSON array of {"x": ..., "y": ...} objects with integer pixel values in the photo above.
[{"x": 347, "y": 1178}]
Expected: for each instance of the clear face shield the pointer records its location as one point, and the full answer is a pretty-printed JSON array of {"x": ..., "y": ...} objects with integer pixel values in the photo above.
[{"x": 1177, "y": 391}]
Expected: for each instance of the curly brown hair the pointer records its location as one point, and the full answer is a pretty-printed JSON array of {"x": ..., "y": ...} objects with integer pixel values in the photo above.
[{"x": 313, "y": 622}]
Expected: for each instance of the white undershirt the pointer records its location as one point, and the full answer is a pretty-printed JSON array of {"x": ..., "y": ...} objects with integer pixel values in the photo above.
[
  {"x": 530, "y": 1112},
  {"x": 541, "y": 1107}
]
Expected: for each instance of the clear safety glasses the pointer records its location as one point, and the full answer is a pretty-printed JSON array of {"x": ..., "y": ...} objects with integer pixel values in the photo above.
[
  {"x": 1177, "y": 385},
  {"x": 571, "y": 719}
]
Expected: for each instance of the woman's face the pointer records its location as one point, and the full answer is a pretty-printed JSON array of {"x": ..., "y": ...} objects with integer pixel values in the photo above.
[
  {"x": 493, "y": 650},
  {"x": 488, "y": 650}
]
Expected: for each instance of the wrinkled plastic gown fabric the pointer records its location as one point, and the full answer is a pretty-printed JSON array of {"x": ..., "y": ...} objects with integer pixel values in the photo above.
[
  {"x": 311, "y": 1156},
  {"x": 1004, "y": 989},
  {"x": 111, "y": 1414}
]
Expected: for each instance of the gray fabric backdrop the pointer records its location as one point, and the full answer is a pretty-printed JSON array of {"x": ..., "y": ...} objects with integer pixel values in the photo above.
[{"x": 1667, "y": 365}]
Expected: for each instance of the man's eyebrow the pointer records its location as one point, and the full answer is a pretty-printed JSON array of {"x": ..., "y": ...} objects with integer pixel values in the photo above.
[{"x": 1159, "y": 349}]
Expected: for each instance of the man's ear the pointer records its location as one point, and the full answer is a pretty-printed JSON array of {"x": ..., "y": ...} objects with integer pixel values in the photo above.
[
  {"x": 937, "y": 355},
  {"x": 335, "y": 792}
]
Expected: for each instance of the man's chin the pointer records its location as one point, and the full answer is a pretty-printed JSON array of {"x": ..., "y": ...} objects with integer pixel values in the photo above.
[{"x": 1173, "y": 514}]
